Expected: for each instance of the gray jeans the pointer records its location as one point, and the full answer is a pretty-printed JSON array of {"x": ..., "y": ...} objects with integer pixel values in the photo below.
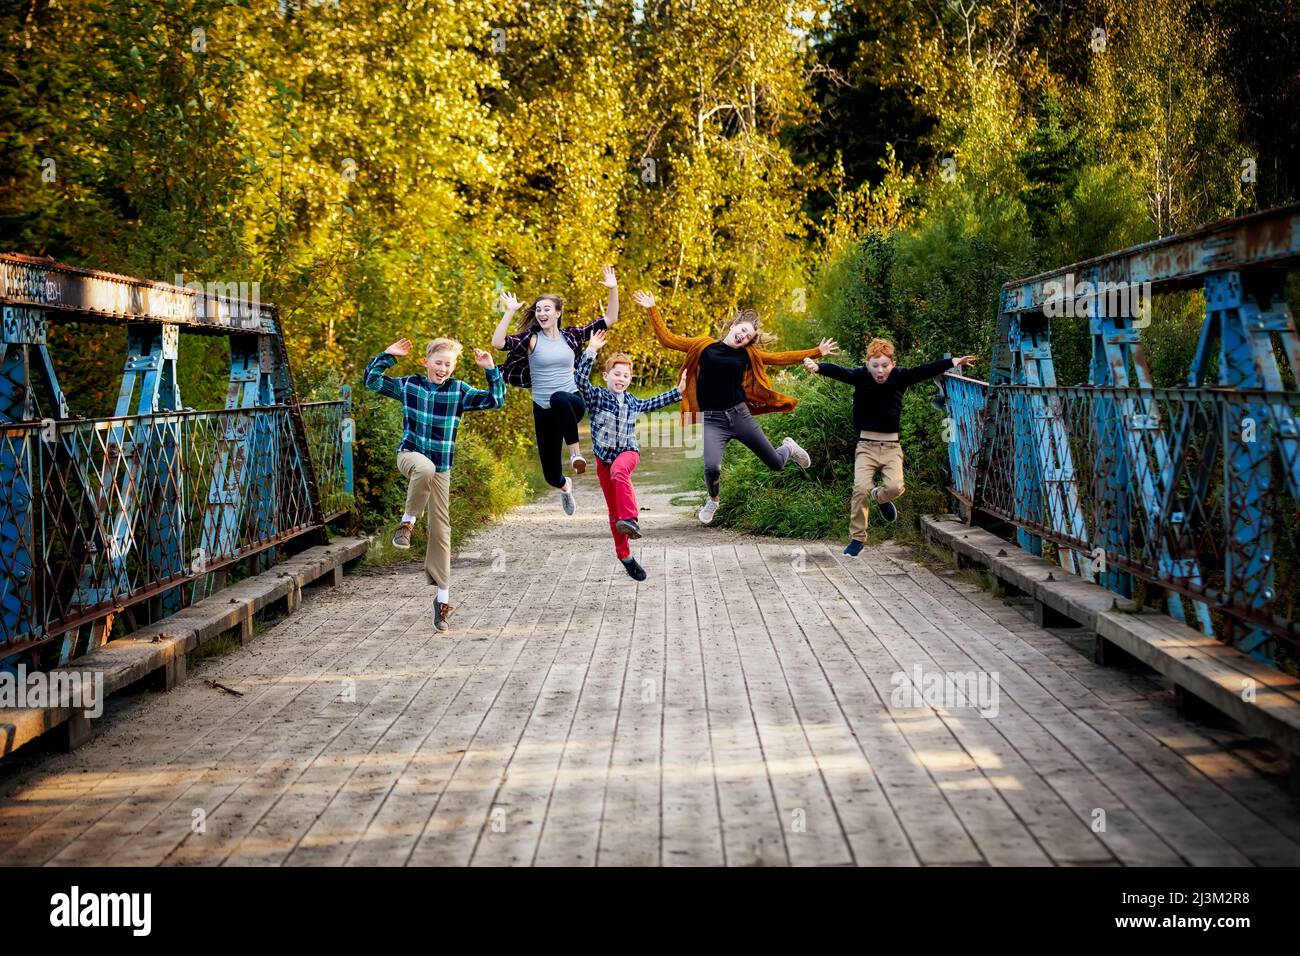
[{"x": 738, "y": 423}]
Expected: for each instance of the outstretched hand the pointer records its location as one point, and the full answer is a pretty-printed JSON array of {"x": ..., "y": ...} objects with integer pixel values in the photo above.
[
  {"x": 510, "y": 303},
  {"x": 827, "y": 346},
  {"x": 483, "y": 359},
  {"x": 400, "y": 347},
  {"x": 597, "y": 340},
  {"x": 644, "y": 299},
  {"x": 607, "y": 277},
  {"x": 811, "y": 366},
  {"x": 965, "y": 360}
]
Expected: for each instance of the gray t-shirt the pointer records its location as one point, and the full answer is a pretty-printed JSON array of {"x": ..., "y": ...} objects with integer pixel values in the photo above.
[{"x": 550, "y": 365}]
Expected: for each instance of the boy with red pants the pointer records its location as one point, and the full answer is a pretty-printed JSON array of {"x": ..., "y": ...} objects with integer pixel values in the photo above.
[{"x": 613, "y": 436}]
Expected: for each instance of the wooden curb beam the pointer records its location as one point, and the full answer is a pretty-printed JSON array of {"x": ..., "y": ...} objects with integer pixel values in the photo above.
[{"x": 1206, "y": 673}]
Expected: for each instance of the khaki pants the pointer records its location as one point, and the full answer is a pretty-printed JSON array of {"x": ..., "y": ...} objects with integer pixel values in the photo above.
[
  {"x": 872, "y": 457},
  {"x": 431, "y": 489}
]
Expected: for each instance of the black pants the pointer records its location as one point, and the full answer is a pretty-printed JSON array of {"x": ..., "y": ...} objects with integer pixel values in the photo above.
[{"x": 556, "y": 427}]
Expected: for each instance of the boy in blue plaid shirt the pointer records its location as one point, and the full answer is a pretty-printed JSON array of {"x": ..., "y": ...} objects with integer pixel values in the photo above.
[
  {"x": 432, "y": 405},
  {"x": 613, "y": 437}
]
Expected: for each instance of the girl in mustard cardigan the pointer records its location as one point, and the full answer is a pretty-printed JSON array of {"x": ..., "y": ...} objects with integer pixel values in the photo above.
[{"x": 726, "y": 383}]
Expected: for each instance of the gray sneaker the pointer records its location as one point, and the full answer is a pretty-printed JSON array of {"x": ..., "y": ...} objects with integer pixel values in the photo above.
[
  {"x": 800, "y": 456},
  {"x": 567, "y": 501}
]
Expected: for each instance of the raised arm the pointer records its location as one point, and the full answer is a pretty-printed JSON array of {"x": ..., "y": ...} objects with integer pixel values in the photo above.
[
  {"x": 611, "y": 307},
  {"x": 667, "y": 338},
  {"x": 919, "y": 373},
  {"x": 499, "y": 333},
  {"x": 837, "y": 372},
  {"x": 479, "y": 399},
  {"x": 376, "y": 380},
  {"x": 582, "y": 373},
  {"x": 659, "y": 401},
  {"x": 826, "y": 347}
]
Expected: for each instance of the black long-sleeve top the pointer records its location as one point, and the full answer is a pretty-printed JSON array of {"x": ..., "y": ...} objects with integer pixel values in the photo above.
[{"x": 877, "y": 406}]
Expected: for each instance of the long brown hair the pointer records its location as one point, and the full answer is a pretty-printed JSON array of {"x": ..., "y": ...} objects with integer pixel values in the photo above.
[
  {"x": 526, "y": 320},
  {"x": 761, "y": 338}
]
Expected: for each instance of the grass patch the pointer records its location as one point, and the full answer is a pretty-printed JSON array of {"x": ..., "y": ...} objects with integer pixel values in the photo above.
[{"x": 218, "y": 646}]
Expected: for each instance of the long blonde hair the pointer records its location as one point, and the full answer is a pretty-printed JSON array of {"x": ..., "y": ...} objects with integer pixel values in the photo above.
[{"x": 761, "y": 339}]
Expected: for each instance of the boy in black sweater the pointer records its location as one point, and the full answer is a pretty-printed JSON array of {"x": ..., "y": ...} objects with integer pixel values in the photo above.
[{"x": 877, "y": 406}]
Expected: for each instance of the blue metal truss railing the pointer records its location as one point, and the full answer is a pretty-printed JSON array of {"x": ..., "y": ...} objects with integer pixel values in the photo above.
[
  {"x": 141, "y": 512},
  {"x": 118, "y": 510},
  {"x": 1195, "y": 490},
  {"x": 1192, "y": 515}
]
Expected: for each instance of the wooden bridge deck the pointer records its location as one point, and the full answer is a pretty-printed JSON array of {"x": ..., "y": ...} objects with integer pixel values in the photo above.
[{"x": 734, "y": 709}]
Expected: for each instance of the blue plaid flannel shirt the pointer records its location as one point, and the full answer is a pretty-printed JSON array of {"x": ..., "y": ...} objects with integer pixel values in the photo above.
[
  {"x": 613, "y": 423},
  {"x": 431, "y": 413}
]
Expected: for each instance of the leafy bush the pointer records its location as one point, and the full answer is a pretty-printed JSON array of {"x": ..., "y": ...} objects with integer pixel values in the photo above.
[{"x": 791, "y": 502}]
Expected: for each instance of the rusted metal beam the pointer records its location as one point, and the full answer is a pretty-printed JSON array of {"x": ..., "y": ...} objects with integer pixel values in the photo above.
[
  {"x": 33, "y": 289},
  {"x": 1265, "y": 239}
]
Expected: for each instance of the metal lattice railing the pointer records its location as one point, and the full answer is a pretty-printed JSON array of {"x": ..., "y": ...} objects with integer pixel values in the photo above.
[
  {"x": 1194, "y": 490},
  {"x": 329, "y": 435},
  {"x": 144, "y": 511},
  {"x": 1126, "y": 481},
  {"x": 108, "y": 512}
]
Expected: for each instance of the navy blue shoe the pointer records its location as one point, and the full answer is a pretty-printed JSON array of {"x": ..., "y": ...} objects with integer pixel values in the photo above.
[
  {"x": 887, "y": 510},
  {"x": 854, "y": 548},
  {"x": 635, "y": 570}
]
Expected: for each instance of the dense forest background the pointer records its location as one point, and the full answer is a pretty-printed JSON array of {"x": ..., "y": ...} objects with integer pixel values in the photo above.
[{"x": 848, "y": 168}]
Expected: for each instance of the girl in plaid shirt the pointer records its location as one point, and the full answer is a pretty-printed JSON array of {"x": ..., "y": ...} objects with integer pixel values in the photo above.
[
  {"x": 541, "y": 356},
  {"x": 613, "y": 437}
]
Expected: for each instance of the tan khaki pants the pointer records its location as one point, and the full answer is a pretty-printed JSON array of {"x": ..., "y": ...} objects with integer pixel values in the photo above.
[
  {"x": 885, "y": 457},
  {"x": 430, "y": 489}
]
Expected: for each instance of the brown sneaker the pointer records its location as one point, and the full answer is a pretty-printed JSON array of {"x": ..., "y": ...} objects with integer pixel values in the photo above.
[
  {"x": 402, "y": 536},
  {"x": 579, "y": 463},
  {"x": 441, "y": 615}
]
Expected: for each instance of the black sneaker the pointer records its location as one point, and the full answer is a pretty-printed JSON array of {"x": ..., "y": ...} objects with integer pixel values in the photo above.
[
  {"x": 887, "y": 510},
  {"x": 635, "y": 570},
  {"x": 629, "y": 527}
]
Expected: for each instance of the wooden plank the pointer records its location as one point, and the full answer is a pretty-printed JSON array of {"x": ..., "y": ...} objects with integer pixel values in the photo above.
[
  {"x": 869, "y": 824},
  {"x": 570, "y": 834},
  {"x": 859, "y": 667},
  {"x": 252, "y": 711},
  {"x": 631, "y": 819},
  {"x": 752, "y": 829},
  {"x": 1057, "y": 701},
  {"x": 813, "y": 831},
  {"x": 692, "y": 825},
  {"x": 520, "y": 803},
  {"x": 403, "y": 819}
]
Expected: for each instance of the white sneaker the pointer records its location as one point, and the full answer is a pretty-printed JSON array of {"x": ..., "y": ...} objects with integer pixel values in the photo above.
[
  {"x": 706, "y": 513},
  {"x": 797, "y": 453},
  {"x": 567, "y": 501}
]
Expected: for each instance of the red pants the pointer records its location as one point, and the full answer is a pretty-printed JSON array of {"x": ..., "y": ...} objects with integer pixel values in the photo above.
[{"x": 620, "y": 496}]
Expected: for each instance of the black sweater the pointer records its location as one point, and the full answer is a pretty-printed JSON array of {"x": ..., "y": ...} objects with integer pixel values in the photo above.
[{"x": 877, "y": 407}]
